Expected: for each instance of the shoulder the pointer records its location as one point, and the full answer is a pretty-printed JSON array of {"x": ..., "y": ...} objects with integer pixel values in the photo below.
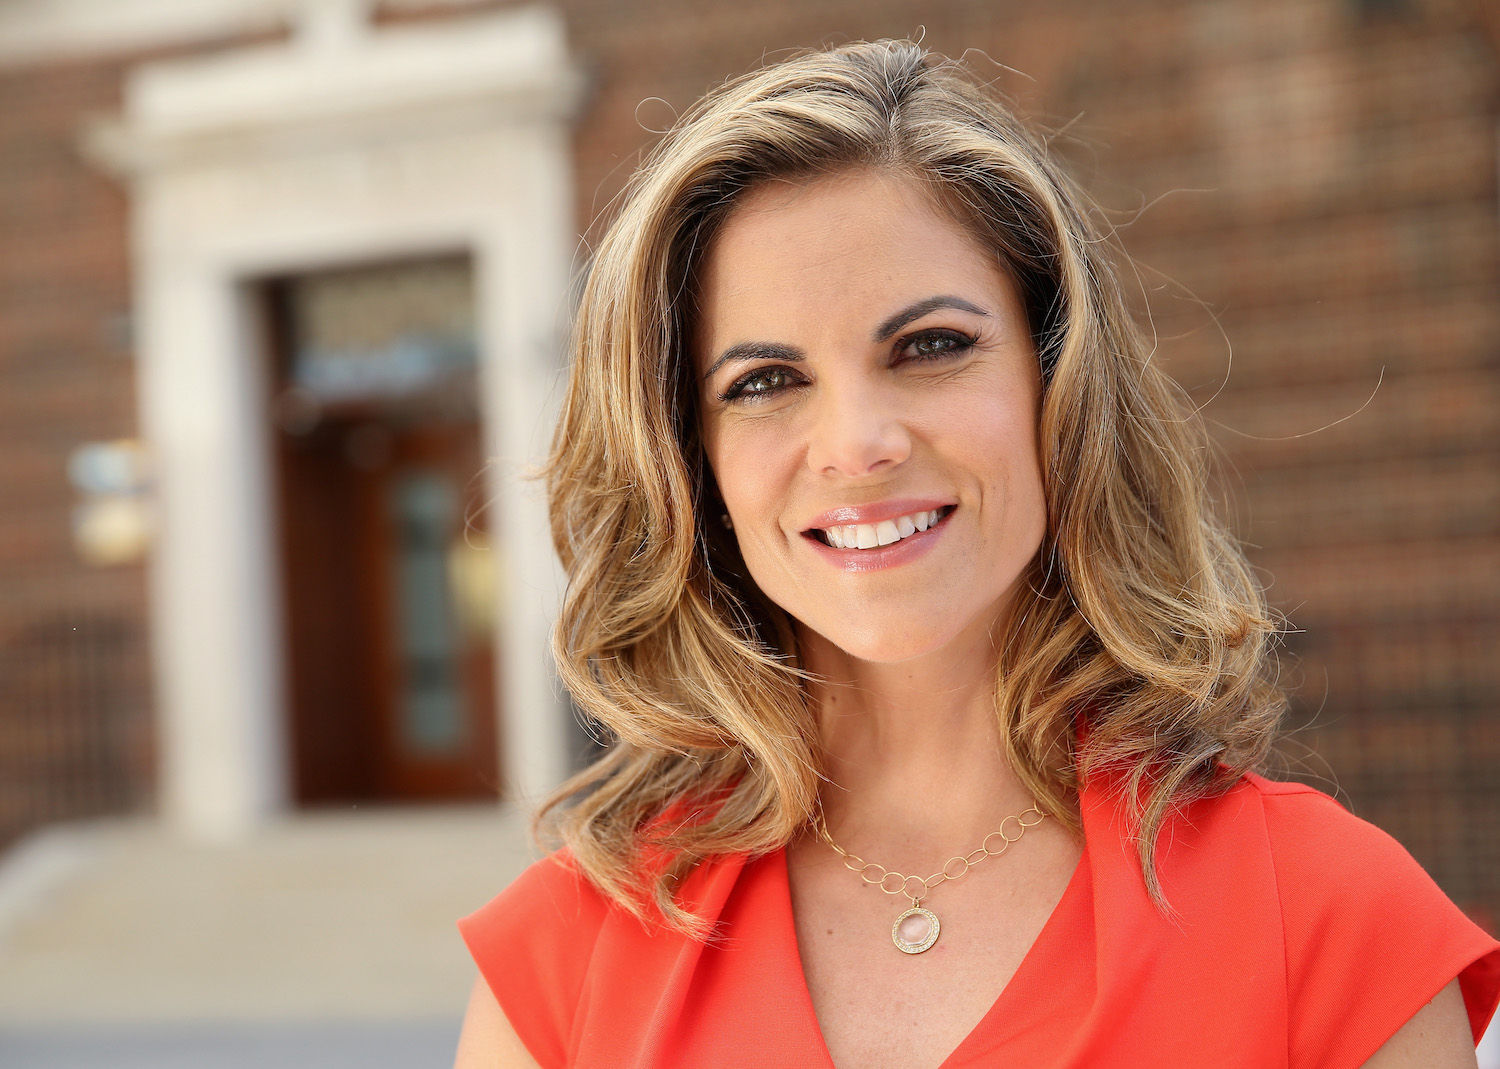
[
  {"x": 580, "y": 979},
  {"x": 1331, "y": 866},
  {"x": 532, "y": 943},
  {"x": 551, "y": 901},
  {"x": 1369, "y": 937},
  {"x": 1314, "y": 841},
  {"x": 1308, "y": 914}
]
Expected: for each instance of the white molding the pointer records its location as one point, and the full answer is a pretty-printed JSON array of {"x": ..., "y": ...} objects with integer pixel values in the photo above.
[
  {"x": 42, "y": 31},
  {"x": 300, "y": 99},
  {"x": 45, "y": 31},
  {"x": 382, "y": 151}
]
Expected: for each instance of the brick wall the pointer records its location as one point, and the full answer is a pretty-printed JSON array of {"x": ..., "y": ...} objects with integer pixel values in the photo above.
[
  {"x": 74, "y": 709},
  {"x": 1350, "y": 251},
  {"x": 1321, "y": 182},
  {"x": 76, "y": 734},
  {"x": 1320, "y": 251}
]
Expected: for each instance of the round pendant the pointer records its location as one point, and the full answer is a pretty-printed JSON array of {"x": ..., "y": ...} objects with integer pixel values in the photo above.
[{"x": 915, "y": 930}]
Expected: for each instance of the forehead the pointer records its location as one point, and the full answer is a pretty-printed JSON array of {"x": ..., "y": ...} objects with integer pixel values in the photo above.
[{"x": 831, "y": 252}]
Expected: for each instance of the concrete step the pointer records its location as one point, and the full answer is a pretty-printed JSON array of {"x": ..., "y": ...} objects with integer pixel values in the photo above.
[
  {"x": 347, "y": 1045},
  {"x": 322, "y": 932}
]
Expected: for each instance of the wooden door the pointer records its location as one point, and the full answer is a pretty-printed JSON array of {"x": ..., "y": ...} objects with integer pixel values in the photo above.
[{"x": 387, "y": 583}]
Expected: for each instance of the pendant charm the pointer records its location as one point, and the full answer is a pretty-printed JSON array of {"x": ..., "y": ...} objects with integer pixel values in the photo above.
[{"x": 915, "y": 930}]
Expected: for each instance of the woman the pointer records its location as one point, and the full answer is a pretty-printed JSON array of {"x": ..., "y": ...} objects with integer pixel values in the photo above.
[{"x": 887, "y": 540}]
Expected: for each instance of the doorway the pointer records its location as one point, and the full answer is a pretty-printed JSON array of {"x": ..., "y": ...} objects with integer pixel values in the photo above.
[{"x": 387, "y": 568}]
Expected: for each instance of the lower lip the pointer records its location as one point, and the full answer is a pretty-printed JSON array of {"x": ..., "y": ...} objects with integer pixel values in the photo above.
[{"x": 872, "y": 560}]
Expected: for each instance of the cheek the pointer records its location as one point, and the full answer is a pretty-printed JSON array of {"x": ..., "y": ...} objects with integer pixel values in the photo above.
[
  {"x": 748, "y": 469},
  {"x": 998, "y": 442},
  {"x": 997, "y": 432},
  {"x": 744, "y": 468},
  {"x": 756, "y": 469}
]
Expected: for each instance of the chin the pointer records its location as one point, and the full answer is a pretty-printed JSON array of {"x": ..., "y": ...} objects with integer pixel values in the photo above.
[{"x": 884, "y": 645}]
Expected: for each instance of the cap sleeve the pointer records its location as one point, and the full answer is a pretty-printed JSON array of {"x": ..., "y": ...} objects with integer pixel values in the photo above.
[
  {"x": 1370, "y": 938},
  {"x": 532, "y": 943}
]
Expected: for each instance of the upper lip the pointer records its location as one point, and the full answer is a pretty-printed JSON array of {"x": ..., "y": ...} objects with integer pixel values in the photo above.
[{"x": 845, "y": 515}]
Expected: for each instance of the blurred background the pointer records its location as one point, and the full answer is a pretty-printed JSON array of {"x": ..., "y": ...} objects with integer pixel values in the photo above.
[{"x": 282, "y": 291}]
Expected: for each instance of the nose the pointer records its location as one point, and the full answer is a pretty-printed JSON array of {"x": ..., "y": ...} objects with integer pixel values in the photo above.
[{"x": 856, "y": 432}]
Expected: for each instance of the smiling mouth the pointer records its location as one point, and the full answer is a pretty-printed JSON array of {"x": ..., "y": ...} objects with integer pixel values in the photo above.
[{"x": 877, "y": 535}]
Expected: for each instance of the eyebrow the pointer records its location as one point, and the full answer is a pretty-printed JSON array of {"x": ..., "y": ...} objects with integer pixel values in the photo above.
[
  {"x": 768, "y": 350},
  {"x": 913, "y": 312},
  {"x": 756, "y": 350}
]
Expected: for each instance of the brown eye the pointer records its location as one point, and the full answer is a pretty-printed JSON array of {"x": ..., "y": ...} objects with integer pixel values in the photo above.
[
  {"x": 760, "y": 383},
  {"x": 935, "y": 344},
  {"x": 766, "y": 381}
]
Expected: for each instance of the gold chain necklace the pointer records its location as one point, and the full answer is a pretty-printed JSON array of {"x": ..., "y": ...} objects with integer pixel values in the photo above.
[{"x": 917, "y": 929}]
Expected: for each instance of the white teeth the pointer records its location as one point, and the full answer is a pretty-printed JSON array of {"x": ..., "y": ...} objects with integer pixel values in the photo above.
[{"x": 884, "y": 533}]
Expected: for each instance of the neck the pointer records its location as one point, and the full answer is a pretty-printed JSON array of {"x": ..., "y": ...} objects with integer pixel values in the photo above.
[{"x": 912, "y": 749}]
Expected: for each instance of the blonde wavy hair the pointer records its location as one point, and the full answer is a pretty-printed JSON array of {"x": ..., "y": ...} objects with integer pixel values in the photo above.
[{"x": 1141, "y": 648}]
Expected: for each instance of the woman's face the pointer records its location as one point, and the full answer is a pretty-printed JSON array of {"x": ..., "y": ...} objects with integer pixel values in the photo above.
[{"x": 869, "y": 396}]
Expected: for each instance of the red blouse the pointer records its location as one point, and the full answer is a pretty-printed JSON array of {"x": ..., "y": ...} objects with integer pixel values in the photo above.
[{"x": 1303, "y": 937}]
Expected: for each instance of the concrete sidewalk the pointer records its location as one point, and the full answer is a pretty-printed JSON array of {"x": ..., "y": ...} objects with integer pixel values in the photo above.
[{"x": 323, "y": 940}]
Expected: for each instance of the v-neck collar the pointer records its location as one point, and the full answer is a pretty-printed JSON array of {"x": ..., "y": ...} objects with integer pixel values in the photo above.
[{"x": 1040, "y": 957}]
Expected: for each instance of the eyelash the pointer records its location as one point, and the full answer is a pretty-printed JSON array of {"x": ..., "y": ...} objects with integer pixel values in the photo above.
[{"x": 957, "y": 343}]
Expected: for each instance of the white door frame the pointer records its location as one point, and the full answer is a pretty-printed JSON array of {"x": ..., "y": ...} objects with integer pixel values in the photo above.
[{"x": 349, "y": 148}]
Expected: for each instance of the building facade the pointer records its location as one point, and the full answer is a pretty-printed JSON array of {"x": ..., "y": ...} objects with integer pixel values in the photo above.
[{"x": 282, "y": 288}]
